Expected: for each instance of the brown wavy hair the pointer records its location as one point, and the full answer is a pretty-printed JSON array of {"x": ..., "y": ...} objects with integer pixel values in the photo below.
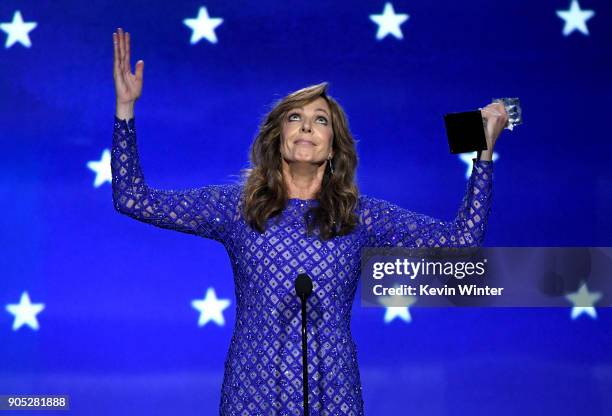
[{"x": 264, "y": 192}]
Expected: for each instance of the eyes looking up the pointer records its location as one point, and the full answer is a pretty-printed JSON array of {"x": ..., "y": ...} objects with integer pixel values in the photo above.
[{"x": 290, "y": 118}]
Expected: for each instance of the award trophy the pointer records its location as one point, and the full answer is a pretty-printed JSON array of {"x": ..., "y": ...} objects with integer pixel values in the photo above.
[{"x": 465, "y": 130}]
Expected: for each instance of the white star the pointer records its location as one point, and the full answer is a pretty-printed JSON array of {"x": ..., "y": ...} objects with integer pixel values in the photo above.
[
  {"x": 392, "y": 311},
  {"x": 203, "y": 26},
  {"x": 18, "y": 31},
  {"x": 102, "y": 168},
  {"x": 583, "y": 302},
  {"x": 211, "y": 308},
  {"x": 25, "y": 312},
  {"x": 575, "y": 18},
  {"x": 389, "y": 22},
  {"x": 401, "y": 312},
  {"x": 467, "y": 159}
]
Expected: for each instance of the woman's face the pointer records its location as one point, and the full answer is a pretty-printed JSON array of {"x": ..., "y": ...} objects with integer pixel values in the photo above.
[{"x": 307, "y": 133}]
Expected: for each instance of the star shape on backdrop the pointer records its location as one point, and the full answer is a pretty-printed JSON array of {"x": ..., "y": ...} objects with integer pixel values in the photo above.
[
  {"x": 467, "y": 159},
  {"x": 402, "y": 312},
  {"x": 389, "y": 22},
  {"x": 203, "y": 26},
  {"x": 102, "y": 168},
  {"x": 25, "y": 312},
  {"x": 583, "y": 302},
  {"x": 211, "y": 308},
  {"x": 18, "y": 31},
  {"x": 575, "y": 18},
  {"x": 392, "y": 312}
]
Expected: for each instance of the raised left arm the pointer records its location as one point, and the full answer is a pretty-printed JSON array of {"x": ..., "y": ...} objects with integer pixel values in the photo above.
[{"x": 390, "y": 225}]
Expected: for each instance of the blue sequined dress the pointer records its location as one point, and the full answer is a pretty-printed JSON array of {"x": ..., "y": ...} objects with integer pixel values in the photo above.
[{"x": 263, "y": 368}]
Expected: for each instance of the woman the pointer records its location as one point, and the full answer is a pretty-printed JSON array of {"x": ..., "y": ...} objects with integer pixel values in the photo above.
[{"x": 298, "y": 209}]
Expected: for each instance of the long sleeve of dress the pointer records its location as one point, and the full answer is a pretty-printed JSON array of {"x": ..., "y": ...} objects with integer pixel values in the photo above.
[
  {"x": 392, "y": 226},
  {"x": 207, "y": 211}
]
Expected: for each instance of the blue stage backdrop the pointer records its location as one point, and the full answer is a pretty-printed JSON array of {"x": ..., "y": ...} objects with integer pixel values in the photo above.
[{"x": 130, "y": 319}]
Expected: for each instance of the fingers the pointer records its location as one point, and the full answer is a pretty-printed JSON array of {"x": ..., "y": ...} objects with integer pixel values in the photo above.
[
  {"x": 116, "y": 67},
  {"x": 122, "y": 49},
  {"x": 119, "y": 37},
  {"x": 121, "y": 54},
  {"x": 139, "y": 70},
  {"x": 492, "y": 109},
  {"x": 496, "y": 111},
  {"x": 127, "y": 65},
  {"x": 121, "y": 42},
  {"x": 486, "y": 113},
  {"x": 500, "y": 108},
  {"x": 118, "y": 74}
]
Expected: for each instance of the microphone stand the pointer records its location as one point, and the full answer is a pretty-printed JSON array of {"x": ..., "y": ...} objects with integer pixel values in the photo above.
[{"x": 303, "y": 288}]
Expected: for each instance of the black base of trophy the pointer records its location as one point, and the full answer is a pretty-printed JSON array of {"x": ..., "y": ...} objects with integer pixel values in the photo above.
[{"x": 465, "y": 132}]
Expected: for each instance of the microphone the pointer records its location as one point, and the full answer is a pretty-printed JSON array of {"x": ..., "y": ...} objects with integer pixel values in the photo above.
[{"x": 303, "y": 288}]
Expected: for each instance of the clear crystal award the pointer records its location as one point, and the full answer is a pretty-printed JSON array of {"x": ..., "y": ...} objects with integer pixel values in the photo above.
[
  {"x": 513, "y": 109},
  {"x": 466, "y": 132}
]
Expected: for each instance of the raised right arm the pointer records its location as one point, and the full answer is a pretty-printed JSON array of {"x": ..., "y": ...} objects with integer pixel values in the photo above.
[{"x": 208, "y": 211}]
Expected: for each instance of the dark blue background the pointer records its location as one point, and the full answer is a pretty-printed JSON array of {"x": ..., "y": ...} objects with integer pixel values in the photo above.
[{"x": 118, "y": 333}]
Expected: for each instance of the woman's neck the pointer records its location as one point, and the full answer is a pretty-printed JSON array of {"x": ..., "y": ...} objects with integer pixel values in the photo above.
[{"x": 302, "y": 180}]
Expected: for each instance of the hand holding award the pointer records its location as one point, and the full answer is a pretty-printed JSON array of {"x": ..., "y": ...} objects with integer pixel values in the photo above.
[{"x": 466, "y": 133}]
